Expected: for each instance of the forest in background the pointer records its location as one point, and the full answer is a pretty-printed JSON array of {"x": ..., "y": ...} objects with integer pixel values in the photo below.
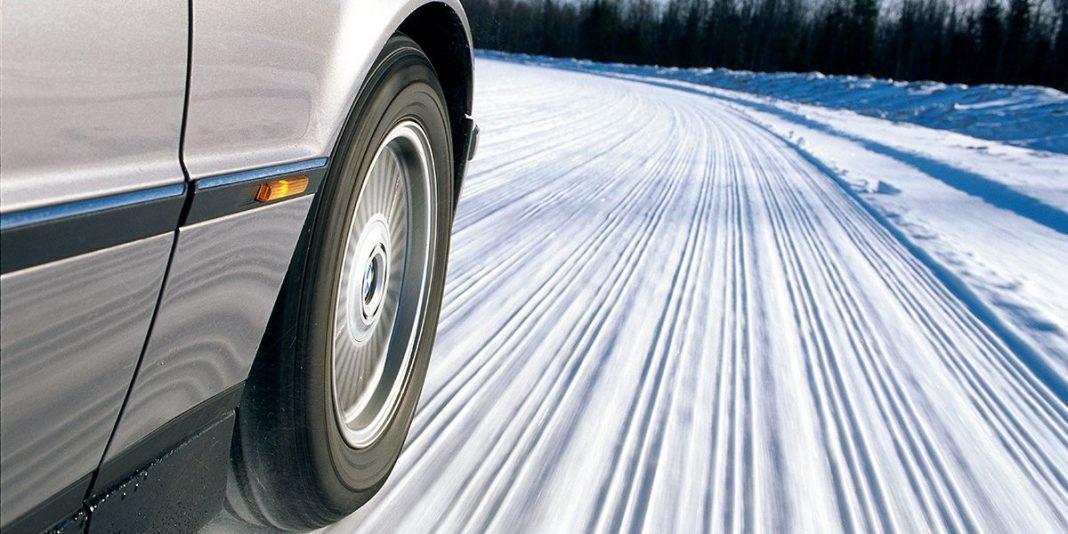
[{"x": 993, "y": 41}]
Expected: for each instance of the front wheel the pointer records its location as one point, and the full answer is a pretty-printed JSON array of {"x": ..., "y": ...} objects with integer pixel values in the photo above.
[{"x": 329, "y": 400}]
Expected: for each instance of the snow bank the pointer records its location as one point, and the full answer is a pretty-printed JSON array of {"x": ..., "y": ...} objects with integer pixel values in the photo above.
[{"x": 1027, "y": 116}]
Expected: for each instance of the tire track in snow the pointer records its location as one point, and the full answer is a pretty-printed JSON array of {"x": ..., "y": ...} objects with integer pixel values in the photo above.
[
  {"x": 698, "y": 330},
  {"x": 850, "y": 307},
  {"x": 600, "y": 239},
  {"x": 855, "y": 452},
  {"x": 994, "y": 350},
  {"x": 623, "y": 272}
]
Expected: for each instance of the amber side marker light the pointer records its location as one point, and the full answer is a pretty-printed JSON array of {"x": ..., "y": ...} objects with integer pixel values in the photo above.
[{"x": 283, "y": 188}]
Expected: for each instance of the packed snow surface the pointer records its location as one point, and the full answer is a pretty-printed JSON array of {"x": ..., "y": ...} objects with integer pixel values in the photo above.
[
  {"x": 674, "y": 308},
  {"x": 1028, "y": 116},
  {"x": 677, "y": 308}
]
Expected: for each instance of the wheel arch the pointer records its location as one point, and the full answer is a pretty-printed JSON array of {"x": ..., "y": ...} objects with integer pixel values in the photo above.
[{"x": 442, "y": 32}]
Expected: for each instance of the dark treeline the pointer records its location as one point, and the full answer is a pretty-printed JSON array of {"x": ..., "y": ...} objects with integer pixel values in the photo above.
[{"x": 1020, "y": 42}]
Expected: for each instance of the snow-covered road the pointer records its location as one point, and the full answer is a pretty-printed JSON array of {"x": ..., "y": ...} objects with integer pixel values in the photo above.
[{"x": 678, "y": 309}]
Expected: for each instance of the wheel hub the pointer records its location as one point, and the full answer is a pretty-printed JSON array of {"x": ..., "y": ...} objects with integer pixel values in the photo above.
[
  {"x": 374, "y": 281},
  {"x": 368, "y": 278}
]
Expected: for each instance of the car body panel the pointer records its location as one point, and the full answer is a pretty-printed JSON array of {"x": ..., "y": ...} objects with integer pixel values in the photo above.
[
  {"x": 93, "y": 98},
  {"x": 274, "y": 82},
  {"x": 69, "y": 328},
  {"x": 86, "y": 116},
  {"x": 220, "y": 292},
  {"x": 93, "y": 106}
]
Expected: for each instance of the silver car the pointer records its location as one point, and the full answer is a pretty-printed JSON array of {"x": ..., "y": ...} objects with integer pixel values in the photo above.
[{"x": 224, "y": 237}]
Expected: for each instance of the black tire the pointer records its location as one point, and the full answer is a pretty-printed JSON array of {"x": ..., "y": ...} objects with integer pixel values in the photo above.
[{"x": 291, "y": 467}]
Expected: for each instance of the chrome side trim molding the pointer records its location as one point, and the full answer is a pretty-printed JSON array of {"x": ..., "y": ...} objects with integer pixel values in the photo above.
[
  {"x": 42, "y": 235},
  {"x": 82, "y": 207},
  {"x": 260, "y": 174}
]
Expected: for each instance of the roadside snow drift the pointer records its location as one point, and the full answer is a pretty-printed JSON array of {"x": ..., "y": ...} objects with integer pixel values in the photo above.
[
  {"x": 674, "y": 308},
  {"x": 1027, "y": 116}
]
